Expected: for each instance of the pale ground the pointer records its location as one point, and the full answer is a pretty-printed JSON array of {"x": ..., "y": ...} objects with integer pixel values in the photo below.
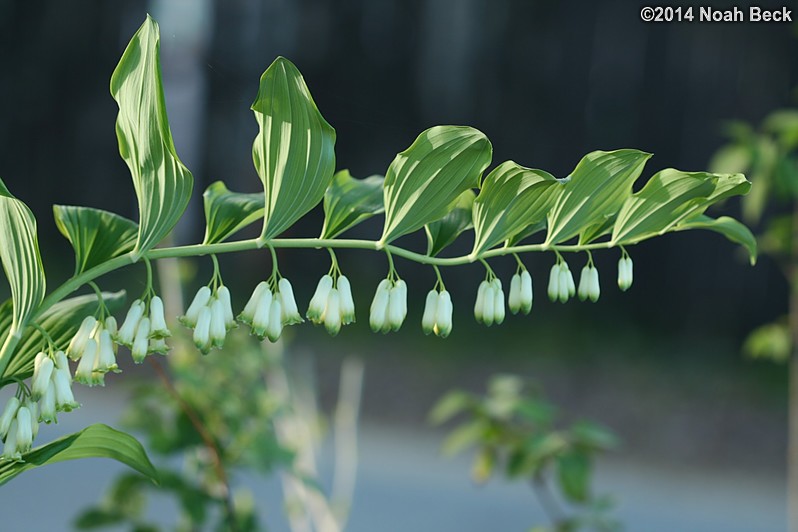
[{"x": 405, "y": 485}]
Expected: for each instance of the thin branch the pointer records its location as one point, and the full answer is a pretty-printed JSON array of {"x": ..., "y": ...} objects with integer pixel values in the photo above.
[{"x": 547, "y": 501}]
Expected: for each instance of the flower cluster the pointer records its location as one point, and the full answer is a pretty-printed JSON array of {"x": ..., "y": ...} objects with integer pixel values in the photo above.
[
  {"x": 332, "y": 303},
  {"x": 561, "y": 282},
  {"x": 389, "y": 307},
  {"x": 489, "y": 307},
  {"x": 520, "y": 298},
  {"x": 144, "y": 329},
  {"x": 589, "y": 284},
  {"x": 210, "y": 315},
  {"x": 625, "y": 273},
  {"x": 93, "y": 346},
  {"x": 437, "y": 315},
  {"x": 267, "y": 311}
]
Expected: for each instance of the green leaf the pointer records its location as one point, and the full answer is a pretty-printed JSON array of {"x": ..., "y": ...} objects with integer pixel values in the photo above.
[
  {"x": 95, "y": 441},
  {"x": 163, "y": 185},
  {"x": 464, "y": 436},
  {"x": 61, "y": 321},
  {"x": 349, "y": 201},
  {"x": 423, "y": 181},
  {"x": 484, "y": 464},
  {"x": 573, "y": 472},
  {"x": 771, "y": 341},
  {"x": 728, "y": 227},
  {"x": 228, "y": 212},
  {"x": 512, "y": 199},
  {"x": 442, "y": 233},
  {"x": 593, "y": 436},
  {"x": 593, "y": 192},
  {"x": 667, "y": 197},
  {"x": 449, "y": 406},
  {"x": 294, "y": 150},
  {"x": 19, "y": 253},
  {"x": 96, "y": 235}
]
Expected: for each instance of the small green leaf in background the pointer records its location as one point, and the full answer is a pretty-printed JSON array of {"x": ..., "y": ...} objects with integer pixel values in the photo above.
[
  {"x": 771, "y": 341},
  {"x": 227, "y": 212},
  {"x": 465, "y": 435},
  {"x": 163, "y": 185},
  {"x": 95, "y": 441},
  {"x": 294, "y": 152},
  {"x": 423, "y": 181},
  {"x": 19, "y": 253},
  {"x": 449, "y": 406},
  {"x": 349, "y": 201},
  {"x": 442, "y": 233},
  {"x": 95, "y": 235},
  {"x": 728, "y": 227},
  {"x": 594, "y": 192},
  {"x": 61, "y": 321},
  {"x": 484, "y": 464},
  {"x": 512, "y": 199},
  {"x": 573, "y": 472}
]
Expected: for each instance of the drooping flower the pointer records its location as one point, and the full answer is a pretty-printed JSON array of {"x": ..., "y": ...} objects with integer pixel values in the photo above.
[
  {"x": 379, "y": 307},
  {"x": 332, "y": 312},
  {"x": 47, "y": 413},
  {"x": 389, "y": 306},
  {"x": 217, "y": 329},
  {"x": 443, "y": 316},
  {"x": 106, "y": 358},
  {"x": 10, "y": 449},
  {"x": 200, "y": 301},
  {"x": 262, "y": 317},
  {"x": 554, "y": 282},
  {"x": 479, "y": 305},
  {"x": 83, "y": 374},
  {"x": 141, "y": 341},
  {"x": 223, "y": 295},
  {"x": 319, "y": 300},
  {"x": 498, "y": 301},
  {"x": 24, "y": 429},
  {"x": 64, "y": 400},
  {"x": 127, "y": 332},
  {"x": 202, "y": 331},
  {"x": 526, "y": 292},
  {"x": 589, "y": 284},
  {"x": 158, "y": 328},
  {"x": 625, "y": 273},
  {"x": 429, "y": 318},
  {"x": 8, "y": 416},
  {"x": 397, "y": 305},
  {"x": 347, "y": 302},
  {"x": 78, "y": 342},
  {"x": 248, "y": 313},
  {"x": 42, "y": 371},
  {"x": 290, "y": 313},
  {"x": 275, "y": 326}
]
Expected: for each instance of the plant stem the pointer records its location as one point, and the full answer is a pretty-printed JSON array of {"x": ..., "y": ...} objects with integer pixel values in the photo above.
[
  {"x": 547, "y": 501},
  {"x": 196, "y": 250},
  {"x": 207, "y": 440}
]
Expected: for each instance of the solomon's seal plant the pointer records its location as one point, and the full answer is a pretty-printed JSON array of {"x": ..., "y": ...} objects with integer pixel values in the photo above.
[{"x": 436, "y": 185}]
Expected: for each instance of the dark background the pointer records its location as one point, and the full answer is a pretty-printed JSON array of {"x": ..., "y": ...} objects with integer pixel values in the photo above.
[{"x": 547, "y": 82}]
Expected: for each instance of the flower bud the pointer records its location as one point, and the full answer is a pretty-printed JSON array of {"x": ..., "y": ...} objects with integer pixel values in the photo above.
[
  {"x": 443, "y": 314},
  {"x": 347, "y": 302},
  {"x": 488, "y": 304},
  {"x": 248, "y": 313},
  {"x": 290, "y": 312},
  {"x": 24, "y": 429},
  {"x": 8, "y": 415},
  {"x": 397, "y": 306},
  {"x": 127, "y": 332},
  {"x": 47, "y": 402},
  {"x": 141, "y": 342},
  {"x": 10, "y": 450},
  {"x": 78, "y": 343},
  {"x": 275, "y": 326},
  {"x": 200, "y": 301},
  {"x": 86, "y": 365},
  {"x": 584, "y": 283},
  {"x": 625, "y": 273},
  {"x": 594, "y": 289},
  {"x": 106, "y": 360},
  {"x": 319, "y": 300},
  {"x": 514, "y": 297},
  {"x": 64, "y": 400},
  {"x": 202, "y": 332},
  {"x": 526, "y": 292},
  {"x": 260, "y": 322},
  {"x": 479, "y": 305},
  {"x": 429, "y": 317},
  {"x": 332, "y": 312},
  {"x": 42, "y": 371},
  {"x": 223, "y": 295},
  {"x": 498, "y": 302},
  {"x": 158, "y": 328},
  {"x": 563, "y": 284},
  {"x": 217, "y": 328},
  {"x": 554, "y": 282},
  {"x": 379, "y": 307}
]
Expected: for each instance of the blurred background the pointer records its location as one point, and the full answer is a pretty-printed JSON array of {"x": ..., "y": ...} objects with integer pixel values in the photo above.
[{"x": 703, "y": 428}]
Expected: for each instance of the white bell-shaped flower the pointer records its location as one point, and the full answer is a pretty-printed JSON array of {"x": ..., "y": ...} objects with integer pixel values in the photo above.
[
  {"x": 47, "y": 413},
  {"x": 141, "y": 341},
  {"x": 223, "y": 295},
  {"x": 332, "y": 312},
  {"x": 218, "y": 329},
  {"x": 78, "y": 342},
  {"x": 498, "y": 302},
  {"x": 260, "y": 321},
  {"x": 443, "y": 315},
  {"x": 64, "y": 400},
  {"x": 200, "y": 301},
  {"x": 106, "y": 358},
  {"x": 202, "y": 331},
  {"x": 489, "y": 304},
  {"x": 158, "y": 328},
  {"x": 397, "y": 305},
  {"x": 248, "y": 313},
  {"x": 275, "y": 326},
  {"x": 111, "y": 326},
  {"x": 33, "y": 406},
  {"x": 8, "y": 416},
  {"x": 378, "y": 313},
  {"x": 43, "y": 368},
  {"x": 288, "y": 307},
  {"x": 584, "y": 283},
  {"x": 428, "y": 319},
  {"x": 347, "y": 302},
  {"x": 10, "y": 450},
  {"x": 62, "y": 365},
  {"x": 554, "y": 282},
  {"x": 625, "y": 273},
  {"x": 85, "y": 369},
  {"x": 526, "y": 295},
  {"x": 127, "y": 332},
  {"x": 514, "y": 296},
  {"x": 24, "y": 429},
  {"x": 479, "y": 304},
  {"x": 319, "y": 300}
]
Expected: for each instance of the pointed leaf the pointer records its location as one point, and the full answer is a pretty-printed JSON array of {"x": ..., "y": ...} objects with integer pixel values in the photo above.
[
  {"x": 423, "y": 181},
  {"x": 95, "y": 235},
  {"x": 593, "y": 192},
  {"x": 728, "y": 227},
  {"x": 350, "y": 201},
  {"x": 227, "y": 212},
  {"x": 163, "y": 185},
  {"x": 573, "y": 472},
  {"x": 441, "y": 233},
  {"x": 512, "y": 199},
  {"x": 19, "y": 253},
  {"x": 61, "y": 321},
  {"x": 294, "y": 150},
  {"x": 95, "y": 441}
]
